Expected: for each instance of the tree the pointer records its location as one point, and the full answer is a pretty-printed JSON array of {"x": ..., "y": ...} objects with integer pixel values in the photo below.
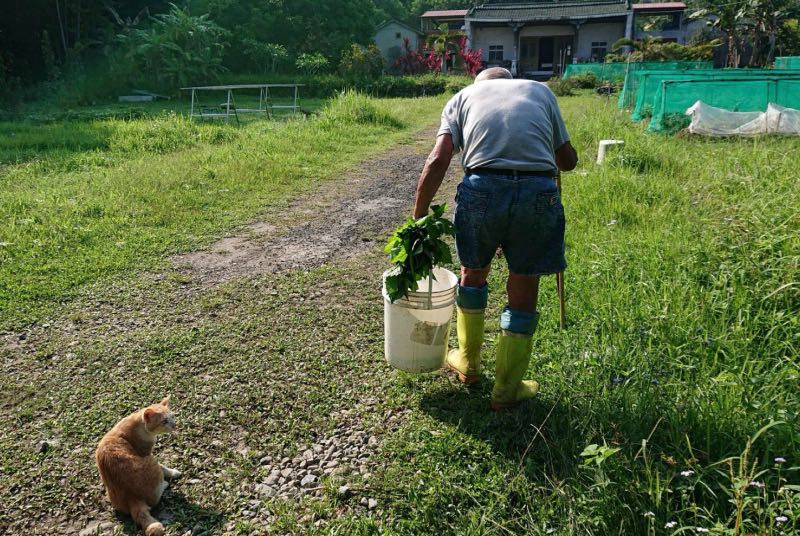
[
  {"x": 723, "y": 16},
  {"x": 758, "y": 23},
  {"x": 268, "y": 55},
  {"x": 177, "y": 48}
]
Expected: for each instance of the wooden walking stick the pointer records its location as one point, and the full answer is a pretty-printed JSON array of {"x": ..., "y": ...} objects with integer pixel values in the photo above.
[{"x": 560, "y": 278}]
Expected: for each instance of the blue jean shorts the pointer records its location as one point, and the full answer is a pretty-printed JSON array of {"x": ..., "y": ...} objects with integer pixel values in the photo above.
[{"x": 523, "y": 214}]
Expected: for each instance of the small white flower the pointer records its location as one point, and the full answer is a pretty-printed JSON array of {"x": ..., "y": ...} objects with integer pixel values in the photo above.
[
  {"x": 649, "y": 514},
  {"x": 670, "y": 525},
  {"x": 701, "y": 529},
  {"x": 780, "y": 459},
  {"x": 756, "y": 484},
  {"x": 688, "y": 472},
  {"x": 781, "y": 519},
  {"x": 612, "y": 222}
]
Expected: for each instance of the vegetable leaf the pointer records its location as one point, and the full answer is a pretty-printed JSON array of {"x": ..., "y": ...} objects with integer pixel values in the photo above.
[{"x": 415, "y": 248}]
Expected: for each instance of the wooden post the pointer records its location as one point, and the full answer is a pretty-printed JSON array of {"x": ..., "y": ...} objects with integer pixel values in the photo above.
[{"x": 560, "y": 279}]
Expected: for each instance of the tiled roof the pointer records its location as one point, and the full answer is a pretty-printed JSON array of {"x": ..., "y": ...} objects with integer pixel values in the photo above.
[
  {"x": 445, "y": 13},
  {"x": 659, "y": 6},
  {"x": 547, "y": 10}
]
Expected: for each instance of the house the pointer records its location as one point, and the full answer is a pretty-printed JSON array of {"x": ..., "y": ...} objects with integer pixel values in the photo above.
[
  {"x": 538, "y": 39},
  {"x": 390, "y": 35},
  {"x": 431, "y": 21}
]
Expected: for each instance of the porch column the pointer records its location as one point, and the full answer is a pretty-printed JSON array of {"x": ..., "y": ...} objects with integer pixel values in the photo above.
[
  {"x": 517, "y": 27},
  {"x": 629, "y": 25}
]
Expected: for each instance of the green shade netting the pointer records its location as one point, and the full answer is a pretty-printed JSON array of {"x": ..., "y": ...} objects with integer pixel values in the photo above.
[
  {"x": 615, "y": 71},
  {"x": 674, "y": 97},
  {"x": 640, "y": 87},
  {"x": 787, "y": 62}
]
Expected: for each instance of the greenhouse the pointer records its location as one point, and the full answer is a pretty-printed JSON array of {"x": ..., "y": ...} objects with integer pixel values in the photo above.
[
  {"x": 742, "y": 94},
  {"x": 787, "y": 62},
  {"x": 616, "y": 71},
  {"x": 640, "y": 87}
]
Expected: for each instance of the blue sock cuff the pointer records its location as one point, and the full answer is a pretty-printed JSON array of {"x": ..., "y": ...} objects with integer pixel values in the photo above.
[
  {"x": 518, "y": 321},
  {"x": 472, "y": 298}
]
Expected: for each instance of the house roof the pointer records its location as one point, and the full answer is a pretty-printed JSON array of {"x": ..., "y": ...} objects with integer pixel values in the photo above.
[
  {"x": 445, "y": 13},
  {"x": 404, "y": 25},
  {"x": 548, "y": 10},
  {"x": 659, "y": 6}
]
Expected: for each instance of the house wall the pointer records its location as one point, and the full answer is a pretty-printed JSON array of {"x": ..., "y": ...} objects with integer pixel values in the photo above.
[
  {"x": 593, "y": 32},
  {"x": 390, "y": 45},
  {"x": 482, "y": 38}
]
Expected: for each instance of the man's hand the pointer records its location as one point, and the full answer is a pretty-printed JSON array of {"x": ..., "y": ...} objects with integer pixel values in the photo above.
[
  {"x": 566, "y": 157},
  {"x": 432, "y": 174}
]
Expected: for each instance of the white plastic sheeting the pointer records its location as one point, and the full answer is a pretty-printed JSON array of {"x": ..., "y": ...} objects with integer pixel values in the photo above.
[{"x": 710, "y": 121}]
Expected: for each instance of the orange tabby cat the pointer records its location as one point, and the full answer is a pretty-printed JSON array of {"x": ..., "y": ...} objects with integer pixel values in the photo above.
[{"x": 133, "y": 478}]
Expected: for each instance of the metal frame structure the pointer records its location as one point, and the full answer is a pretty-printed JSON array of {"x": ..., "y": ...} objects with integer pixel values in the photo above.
[{"x": 229, "y": 108}]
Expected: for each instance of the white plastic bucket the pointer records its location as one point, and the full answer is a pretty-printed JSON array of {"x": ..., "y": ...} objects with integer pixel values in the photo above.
[{"x": 417, "y": 328}]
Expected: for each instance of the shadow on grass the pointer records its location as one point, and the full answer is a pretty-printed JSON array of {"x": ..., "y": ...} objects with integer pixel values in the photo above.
[
  {"x": 176, "y": 510},
  {"x": 535, "y": 434}
]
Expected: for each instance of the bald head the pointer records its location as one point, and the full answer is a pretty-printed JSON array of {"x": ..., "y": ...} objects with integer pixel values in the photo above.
[{"x": 493, "y": 73}]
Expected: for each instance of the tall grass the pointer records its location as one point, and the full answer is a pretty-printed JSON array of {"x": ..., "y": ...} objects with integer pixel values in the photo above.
[{"x": 353, "y": 108}]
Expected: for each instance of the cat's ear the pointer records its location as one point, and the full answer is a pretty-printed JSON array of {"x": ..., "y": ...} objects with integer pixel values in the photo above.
[
  {"x": 165, "y": 402},
  {"x": 148, "y": 414}
]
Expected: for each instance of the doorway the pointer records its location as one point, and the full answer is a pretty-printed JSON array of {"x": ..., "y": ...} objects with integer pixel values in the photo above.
[{"x": 546, "y": 56}]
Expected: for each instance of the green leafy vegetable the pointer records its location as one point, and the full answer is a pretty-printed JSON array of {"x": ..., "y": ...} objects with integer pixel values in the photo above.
[{"x": 416, "y": 248}]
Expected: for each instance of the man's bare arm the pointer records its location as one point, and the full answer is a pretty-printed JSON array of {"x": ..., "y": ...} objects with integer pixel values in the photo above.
[
  {"x": 566, "y": 157},
  {"x": 433, "y": 173}
]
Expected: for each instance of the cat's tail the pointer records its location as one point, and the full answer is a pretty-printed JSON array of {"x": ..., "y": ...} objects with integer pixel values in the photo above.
[{"x": 140, "y": 512}]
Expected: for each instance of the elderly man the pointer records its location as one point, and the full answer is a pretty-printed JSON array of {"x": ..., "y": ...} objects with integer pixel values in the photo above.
[{"x": 513, "y": 143}]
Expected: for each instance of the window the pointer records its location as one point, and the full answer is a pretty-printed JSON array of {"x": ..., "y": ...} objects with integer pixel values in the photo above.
[
  {"x": 397, "y": 35},
  {"x": 495, "y": 52},
  {"x": 599, "y": 50}
]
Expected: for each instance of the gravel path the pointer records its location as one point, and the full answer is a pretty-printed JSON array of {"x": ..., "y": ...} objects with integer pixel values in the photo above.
[{"x": 337, "y": 222}]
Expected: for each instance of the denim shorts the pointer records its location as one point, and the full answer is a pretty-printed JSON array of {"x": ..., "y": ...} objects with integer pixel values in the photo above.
[{"x": 522, "y": 214}]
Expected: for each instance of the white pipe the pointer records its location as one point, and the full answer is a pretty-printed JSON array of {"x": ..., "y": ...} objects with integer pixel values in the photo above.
[{"x": 604, "y": 145}]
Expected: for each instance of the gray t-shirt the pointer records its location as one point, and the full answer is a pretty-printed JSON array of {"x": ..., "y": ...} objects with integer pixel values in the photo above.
[{"x": 505, "y": 124}]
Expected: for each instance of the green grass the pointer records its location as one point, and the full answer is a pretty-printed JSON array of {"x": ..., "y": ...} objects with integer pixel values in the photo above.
[
  {"x": 681, "y": 352},
  {"x": 683, "y": 342},
  {"x": 88, "y": 200}
]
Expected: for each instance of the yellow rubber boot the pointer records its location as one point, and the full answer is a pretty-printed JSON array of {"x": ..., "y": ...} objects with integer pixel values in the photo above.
[
  {"x": 466, "y": 359},
  {"x": 513, "y": 356}
]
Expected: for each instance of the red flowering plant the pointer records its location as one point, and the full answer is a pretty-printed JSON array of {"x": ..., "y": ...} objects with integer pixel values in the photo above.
[
  {"x": 411, "y": 61},
  {"x": 472, "y": 58}
]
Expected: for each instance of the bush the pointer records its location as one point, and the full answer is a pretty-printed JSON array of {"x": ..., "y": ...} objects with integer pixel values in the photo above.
[
  {"x": 178, "y": 49},
  {"x": 311, "y": 63},
  {"x": 360, "y": 61},
  {"x": 9, "y": 85},
  {"x": 585, "y": 80},
  {"x": 455, "y": 84},
  {"x": 330, "y": 85},
  {"x": 351, "y": 107},
  {"x": 562, "y": 87}
]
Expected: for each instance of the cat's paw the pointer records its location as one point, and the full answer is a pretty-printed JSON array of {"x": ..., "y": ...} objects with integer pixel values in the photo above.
[
  {"x": 169, "y": 474},
  {"x": 154, "y": 529}
]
